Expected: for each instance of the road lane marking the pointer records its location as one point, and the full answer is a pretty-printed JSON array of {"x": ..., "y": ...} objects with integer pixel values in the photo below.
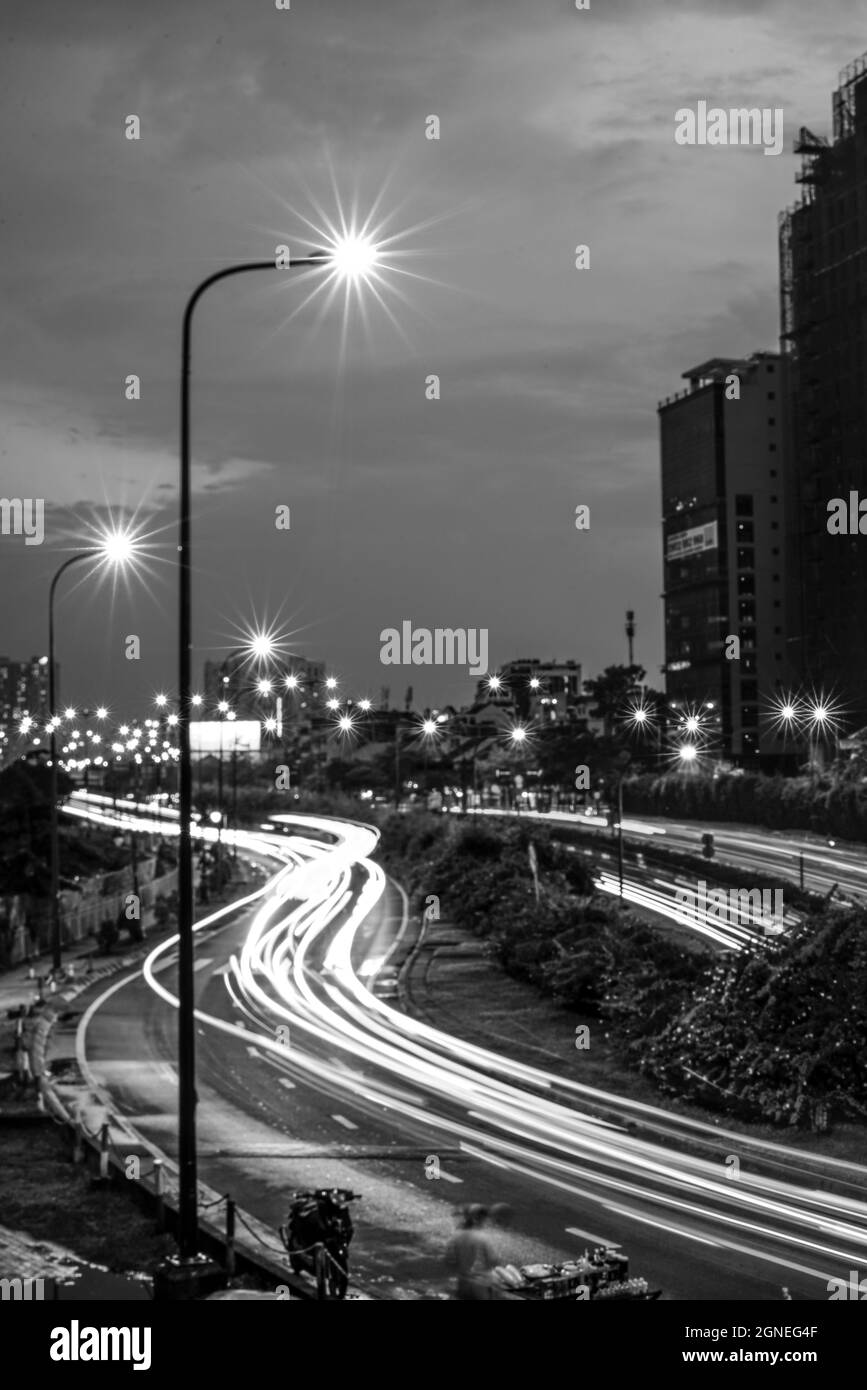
[
  {"x": 449, "y": 1177},
  {"x": 342, "y": 1120},
  {"x": 660, "y": 1225},
  {"x": 284, "y": 1081},
  {"x": 597, "y": 1240},
  {"x": 266, "y": 1057},
  {"x": 164, "y": 964},
  {"x": 201, "y": 964}
]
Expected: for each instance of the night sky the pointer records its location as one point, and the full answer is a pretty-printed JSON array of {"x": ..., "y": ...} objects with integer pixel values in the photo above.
[{"x": 557, "y": 128}]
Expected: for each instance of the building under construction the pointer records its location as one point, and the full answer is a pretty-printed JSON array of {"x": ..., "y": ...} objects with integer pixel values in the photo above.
[{"x": 823, "y": 290}]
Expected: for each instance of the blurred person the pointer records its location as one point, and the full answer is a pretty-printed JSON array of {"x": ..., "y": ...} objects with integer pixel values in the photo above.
[{"x": 470, "y": 1257}]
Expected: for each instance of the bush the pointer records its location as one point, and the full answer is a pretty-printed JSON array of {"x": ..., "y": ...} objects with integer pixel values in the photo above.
[{"x": 775, "y": 1033}]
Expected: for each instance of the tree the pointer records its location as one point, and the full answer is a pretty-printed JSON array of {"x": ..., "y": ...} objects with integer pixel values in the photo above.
[{"x": 613, "y": 691}]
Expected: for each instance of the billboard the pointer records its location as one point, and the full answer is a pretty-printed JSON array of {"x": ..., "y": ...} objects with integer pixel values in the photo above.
[
  {"x": 212, "y": 735},
  {"x": 685, "y": 543}
]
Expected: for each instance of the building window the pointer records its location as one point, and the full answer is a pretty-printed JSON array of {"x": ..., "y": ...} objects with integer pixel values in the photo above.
[
  {"x": 745, "y": 530},
  {"x": 771, "y": 422},
  {"x": 772, "y": 395},
  {"x": 775, "y": 526},
  {"x": 772, "y": 448},
  {"x": 743, "y": 505},
  {"x": 773, "y": 472},
  {"x": 774, "y": 497}
]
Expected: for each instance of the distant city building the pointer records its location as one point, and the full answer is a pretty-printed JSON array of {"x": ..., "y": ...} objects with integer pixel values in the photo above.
[
  {"x": 823, "y": 286},
  {"x": 545, "y": 692},
  {"x": 723, "y": 505},
  {"x": 236, "y": 680},
  {"x": 24, "y": 688}
]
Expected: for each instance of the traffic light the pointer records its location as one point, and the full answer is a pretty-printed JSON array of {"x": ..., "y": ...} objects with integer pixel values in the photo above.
[{"x": 707, "y": 845}]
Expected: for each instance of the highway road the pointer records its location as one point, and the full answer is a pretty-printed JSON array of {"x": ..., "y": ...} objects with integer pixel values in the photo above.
[
  {"x": 306, "y": 1077},
  {"x": 828, "y": 862}
]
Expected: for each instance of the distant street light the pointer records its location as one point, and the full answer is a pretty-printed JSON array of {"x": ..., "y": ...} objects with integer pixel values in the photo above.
[{"x": 117, "y": 548}]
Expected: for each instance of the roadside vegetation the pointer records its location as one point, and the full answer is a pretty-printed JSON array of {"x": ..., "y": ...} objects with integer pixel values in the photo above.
[{"x": 774, "y": 1034}]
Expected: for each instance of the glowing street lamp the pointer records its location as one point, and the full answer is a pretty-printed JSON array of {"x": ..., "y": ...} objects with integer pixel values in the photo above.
[
  {"x": 115, "y": 549},
  {"x": 350, "y": 258},
  {"x": 354, "y": 257},
  {"x": 687, "y": 753},
  {"x": 261, "y": 646},
  {"x": 517, "y": 737}
]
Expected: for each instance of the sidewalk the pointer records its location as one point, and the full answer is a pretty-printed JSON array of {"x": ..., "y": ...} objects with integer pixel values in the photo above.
[{"x": 20, "y": 985}]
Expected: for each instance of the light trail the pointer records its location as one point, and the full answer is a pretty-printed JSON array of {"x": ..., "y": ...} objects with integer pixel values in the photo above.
[{"x": 509, "y": 1112}]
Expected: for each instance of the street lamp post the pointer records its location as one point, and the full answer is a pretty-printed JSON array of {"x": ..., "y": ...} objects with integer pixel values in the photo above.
[
  {"x": 56, "y": 945},
  {"x": 116, "y": 548},
  {"x": 398, "y": 731},
  {"x": 624, "y": 758},
  {"x": 188, "y": 1227}
]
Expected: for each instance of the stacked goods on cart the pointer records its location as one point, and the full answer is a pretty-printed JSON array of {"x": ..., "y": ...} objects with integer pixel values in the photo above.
[
  {"x": 626, "y": 1288},
  {"x": 550, "y": 1281},
  {"x": 604, "y": 1274}
]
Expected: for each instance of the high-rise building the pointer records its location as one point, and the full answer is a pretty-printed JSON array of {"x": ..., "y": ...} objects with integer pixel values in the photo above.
[
  {"x": 823, "y": 293},
  {"x": 723, "y": 507}
]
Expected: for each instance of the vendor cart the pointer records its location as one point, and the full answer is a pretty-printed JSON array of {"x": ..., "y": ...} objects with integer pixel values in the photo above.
[{"x": 602, "y": 1276}]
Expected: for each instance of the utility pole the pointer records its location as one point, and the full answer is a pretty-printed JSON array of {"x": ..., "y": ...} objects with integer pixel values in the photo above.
[
  {"x": 630, "y": 632},
  {"x": 397, "y": 786}
]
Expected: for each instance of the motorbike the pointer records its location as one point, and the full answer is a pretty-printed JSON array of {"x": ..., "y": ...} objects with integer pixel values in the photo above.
[{"x": 317, "y": 1233}]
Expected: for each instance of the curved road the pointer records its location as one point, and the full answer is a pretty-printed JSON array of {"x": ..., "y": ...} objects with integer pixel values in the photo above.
[{"x": 306, "y": 1077}]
